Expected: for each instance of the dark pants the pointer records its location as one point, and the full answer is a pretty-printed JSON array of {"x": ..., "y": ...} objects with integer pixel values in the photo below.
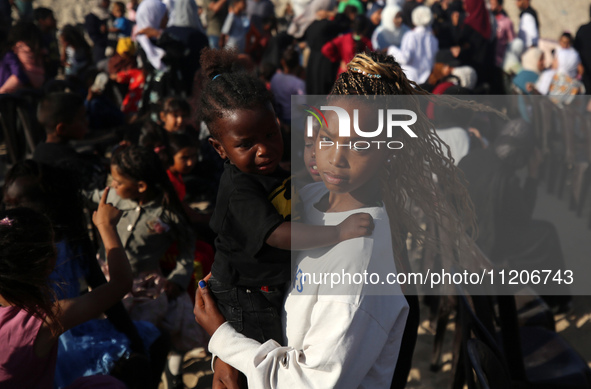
[{"x": 251, "y": 311}]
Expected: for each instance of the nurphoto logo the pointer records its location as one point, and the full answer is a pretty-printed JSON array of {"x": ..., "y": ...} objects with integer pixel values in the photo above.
[{"x": 402, "y": 118}]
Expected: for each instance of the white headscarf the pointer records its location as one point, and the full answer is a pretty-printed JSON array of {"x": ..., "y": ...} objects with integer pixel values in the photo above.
[
  {"x": 387, "y": 30},
  {"x": 422, "y": 16},
  {"x": 467, "y": 76},
  {"x": 568, "y": 61},
  {"x": 531, "y": 58},
  {"x": 512, "y": 60},
  {"x": 185, "y": 14},
  {"x": 150, "y": 14}
]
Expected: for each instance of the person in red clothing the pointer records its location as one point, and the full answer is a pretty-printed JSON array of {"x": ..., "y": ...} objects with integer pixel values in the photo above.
[
  {"x": 184, "y": 154},
  {"x": 344, "y": 47}
]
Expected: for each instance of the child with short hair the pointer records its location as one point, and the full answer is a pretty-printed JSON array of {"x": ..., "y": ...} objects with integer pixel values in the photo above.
[
  {"x": 63, "y": 115},
  {"x": 30, "y": 319},
  {"x": 253, "y": 209},
  {"x": 121, "y": 25},
  {"x": 153, "y": 219},
  {"x": 76, "y": 55},
  {"x": 174, "y": 114}
]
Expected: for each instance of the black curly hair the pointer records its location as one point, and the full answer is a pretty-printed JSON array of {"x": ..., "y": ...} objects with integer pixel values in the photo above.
[
  {"x": 228, "y": 87},
  {"x": 27, "y": 257},
  {"x": 143, "y": 164}
]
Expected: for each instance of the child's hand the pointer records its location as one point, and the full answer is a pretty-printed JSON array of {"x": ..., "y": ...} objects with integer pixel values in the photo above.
[
  {"x": 206, "y": 311},
  {"x": 106, "y": 214},
  {"x": 359, "y": 224}
]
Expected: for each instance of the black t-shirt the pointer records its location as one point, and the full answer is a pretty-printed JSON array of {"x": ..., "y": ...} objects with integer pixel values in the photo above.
[
  {"x": 88, "y": 170},
  {"x": 248, "y": 209}
]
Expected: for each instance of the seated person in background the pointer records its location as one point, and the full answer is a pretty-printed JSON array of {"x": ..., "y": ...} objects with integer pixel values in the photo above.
[
  {"x": 285, "y": 84},
  {"x": 174, "y": 115},
  {"x": 533, "y": 64},
  {"x": 63, "y": 116},
  {"x": 507, "y": 233},
  {"x": 47, "y": 190},
  {"x": 21, "y": 63}
]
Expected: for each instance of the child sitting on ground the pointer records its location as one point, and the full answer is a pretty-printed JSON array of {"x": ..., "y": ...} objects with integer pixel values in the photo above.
[
  {"x": 63, "y": 115},
  {"x": 30, "y": 319}
]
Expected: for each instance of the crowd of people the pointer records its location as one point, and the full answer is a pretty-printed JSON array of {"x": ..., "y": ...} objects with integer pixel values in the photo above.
[{"x": 195, "y": 104}]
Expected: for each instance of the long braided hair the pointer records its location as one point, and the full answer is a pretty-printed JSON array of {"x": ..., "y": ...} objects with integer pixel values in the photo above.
[{"x": 407, "y": 178}]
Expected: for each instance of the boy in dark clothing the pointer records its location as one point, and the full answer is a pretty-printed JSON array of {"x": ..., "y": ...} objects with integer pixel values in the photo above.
[{"x": 63, "y": 116}]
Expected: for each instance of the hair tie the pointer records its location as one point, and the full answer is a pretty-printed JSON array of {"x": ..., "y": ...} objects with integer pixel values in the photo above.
[
  {"x": 158, "y": 149},
  {"x": 6, "y": 222},
  {"x": 216, "y": 76},
  {"x": 365, "y": 73}
]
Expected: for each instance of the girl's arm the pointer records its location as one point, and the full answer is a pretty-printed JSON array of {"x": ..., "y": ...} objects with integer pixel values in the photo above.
[
  {"x": 299, "y": 236},
  {"x": 72, "y": 312},
  {"x": 81, "y": 309},
  {"x": 333, "y": 353}
]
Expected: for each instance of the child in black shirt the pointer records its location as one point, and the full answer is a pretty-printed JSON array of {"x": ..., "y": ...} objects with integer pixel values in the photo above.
[{"x": 252, "y": 214}]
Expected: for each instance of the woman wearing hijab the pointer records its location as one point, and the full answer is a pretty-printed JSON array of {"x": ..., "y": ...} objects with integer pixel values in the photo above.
[
  {"x": 320, "y": 71},
  {"x": 533, "y": 64},
  {"x": 300, "y": 23},
  {"x": 173, "y": 50},
  {"x": 475, "y": 45},
  {"x": 151, "y": 18},
  {"x": 391, "y": 29}
]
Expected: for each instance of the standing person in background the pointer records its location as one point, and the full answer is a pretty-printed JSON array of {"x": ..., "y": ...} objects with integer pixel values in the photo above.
[
  {"x": 21, "y": 63},
  {"x": 216, "y": 11},
  {"x": 391, "y": 29},
  {"x": 258, "y": 11},
  {"x": 583, "y": 46},
  {"x": 121, "y": 25},
  {"x": 529, "y": 25},
  {"x": 95, "y": 24},
  {"x": 504, "y": 33},
  {"x": 235, "y": 27},
  {"x": 343, "y": 48},
  {"x": 418, "y": 48},
  {"x": 407, "y": 9},
  {"x": 46, "y": 22},
  {"x": 320, "y": 72}
]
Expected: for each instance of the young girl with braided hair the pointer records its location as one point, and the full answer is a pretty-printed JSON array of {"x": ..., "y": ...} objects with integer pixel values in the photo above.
[{"x": 353, "y": 339}]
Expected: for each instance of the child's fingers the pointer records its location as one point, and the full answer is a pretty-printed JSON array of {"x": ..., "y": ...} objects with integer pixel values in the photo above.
[
  {"x": 205, "y": 295},
  {"x": 104, "y": 196}
]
